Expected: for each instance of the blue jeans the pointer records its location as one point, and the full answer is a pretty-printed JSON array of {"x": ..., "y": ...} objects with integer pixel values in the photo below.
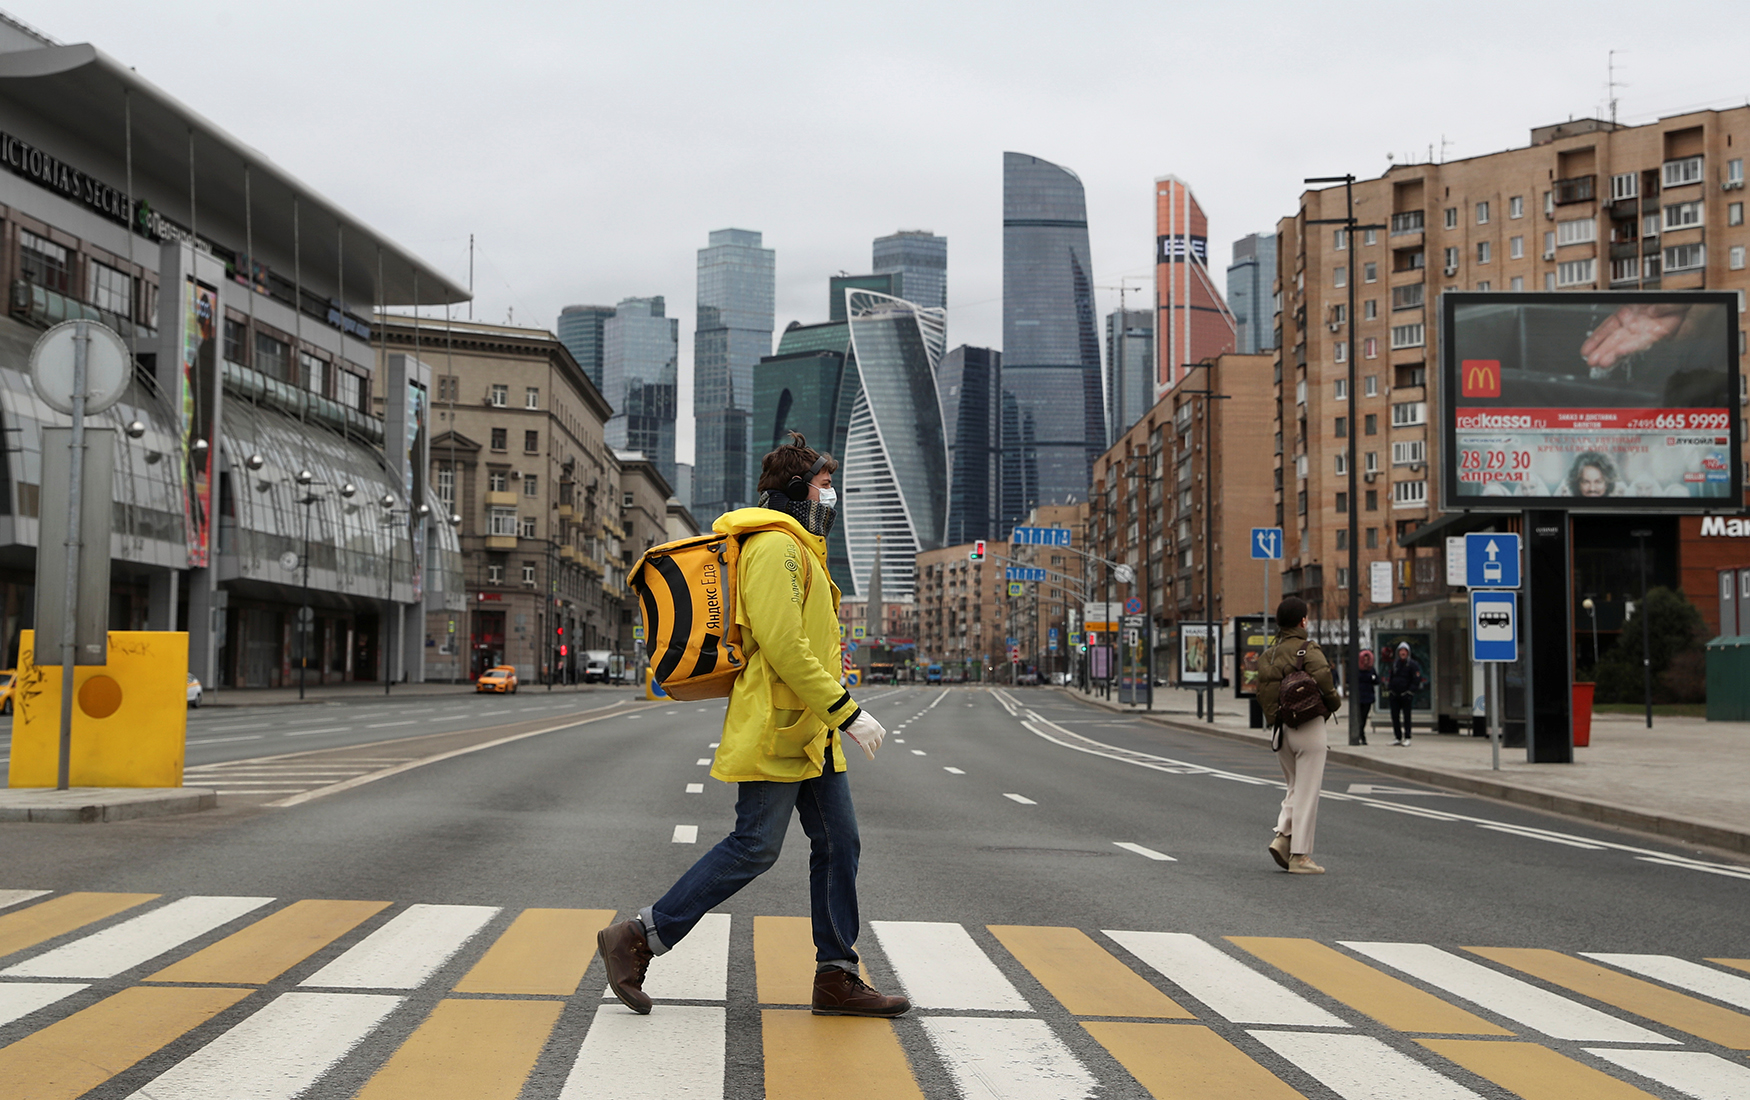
[{"x": 762, "y": 816}]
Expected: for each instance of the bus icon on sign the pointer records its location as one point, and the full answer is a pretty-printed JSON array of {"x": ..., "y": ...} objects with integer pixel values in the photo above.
[
  {"x": 1488, "y": 622},
  {"x": 1492, "y": 572}
]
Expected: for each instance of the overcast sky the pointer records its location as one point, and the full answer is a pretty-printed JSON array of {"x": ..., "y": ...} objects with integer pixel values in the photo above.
[{"x": 591, "y": 146}]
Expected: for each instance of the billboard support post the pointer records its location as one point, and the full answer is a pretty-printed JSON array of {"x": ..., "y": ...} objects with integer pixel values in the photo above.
[
  {"x": 1549, "y": 733},
  {"x": 1640, "y": 535}
]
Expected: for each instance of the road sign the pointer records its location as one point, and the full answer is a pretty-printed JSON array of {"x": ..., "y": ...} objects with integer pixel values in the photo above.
[
  {"x": 1040, "y": 536},
  {"x": 1052, "y": 634},
  {"x": 1075, "y": 637},
  {"x": 1267, "y": 543},
  {"x": 859, "y": 632},
  {"x": 1491, "y": 561},
  {"x": 1380, "y": 582},
  {"x": 108, "y": 366},
  {"x": 850, "y": 647},
  {"x": 1133, "y": 606},
  {"x": 1009, "y": 642},
  {"x": 1016, "y": 588},
  {"x": 1124, "y": 574},
  {"x": 1455, "y": 561},
  {"x": 1024, "y": 573},
  {"x": 637, "y": 634},
  {"x": 1494, "y": 626}
]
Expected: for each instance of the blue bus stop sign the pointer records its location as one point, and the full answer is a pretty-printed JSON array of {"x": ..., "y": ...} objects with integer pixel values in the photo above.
[
  {"x": 1494, "y": 626},
  {"x": 1491, "y": 561}
]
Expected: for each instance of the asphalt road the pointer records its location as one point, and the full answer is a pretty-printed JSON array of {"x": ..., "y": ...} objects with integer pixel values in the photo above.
[{"x": 991, "y": 822}]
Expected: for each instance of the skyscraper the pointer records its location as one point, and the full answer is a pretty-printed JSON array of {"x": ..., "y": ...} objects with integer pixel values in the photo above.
[
  {"x": 1249, "y": 279},
  {"x": 734, "y": 331},
  {"x": 640, "y": 353},
  {"x": 920, "y": 256},
  {"x": 1195, "y": 323},
  {"x": 1053, "y": 405},
  {"x": 580, "y": 330},
  {"x": 1130, "y": 368},
  {"x": 886, "y": 282},
  {"x": 967, "y": 383},
  {"x": 808, "y": 386}
]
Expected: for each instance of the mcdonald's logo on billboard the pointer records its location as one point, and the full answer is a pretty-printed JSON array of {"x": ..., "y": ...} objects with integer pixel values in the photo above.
[{"x": 1480, "y": 378}]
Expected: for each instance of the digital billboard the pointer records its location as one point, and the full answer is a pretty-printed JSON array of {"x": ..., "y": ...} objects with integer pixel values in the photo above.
[{"x": 1589, "y": 401}]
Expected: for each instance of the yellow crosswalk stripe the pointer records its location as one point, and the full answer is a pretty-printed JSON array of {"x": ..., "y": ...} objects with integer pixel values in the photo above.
[
  {"x": 1392, "y": 1002},
  {"x": 1533, "y": 1072},
  {"x": 269, "y": 947},
  {"x": 1741, "y": 964},
  {"x": 58, "y": 916},
  {"x": 543, "y": 952},
  {"x": 1631, "y": 994},
  {"x": 73, "y": 1056},
  {"x": 1084, "y": 976},
  {"x": 783, "y": 960},
  {"x": 811, "y": 1057},
  {"x": 1187, "y": 1062},
  {"x": 481, "y": 1049}
]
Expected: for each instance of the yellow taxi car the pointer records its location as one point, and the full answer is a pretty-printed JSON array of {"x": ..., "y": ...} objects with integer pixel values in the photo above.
[
  {"x": 8, "y": 680},
  {"x": 500, "y": 679}
]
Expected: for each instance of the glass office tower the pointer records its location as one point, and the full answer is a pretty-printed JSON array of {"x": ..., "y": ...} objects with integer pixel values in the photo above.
[
  {"x": 922, "y": 258},
  {"x": 1130, "y": 368},
  {"x": 1249, "y": 279},
  {"x": 640, "y": 353},
  {"x": 580, "y": 330},
  {"x": 808, "y": 386},
  {"x": 734, "y": 332},
  {"x": 967, "y": 382},
  {"x": 1053, "y": 401}
]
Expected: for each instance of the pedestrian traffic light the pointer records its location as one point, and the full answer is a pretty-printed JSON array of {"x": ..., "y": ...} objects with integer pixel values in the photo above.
[
  {"x": 564, "y": 650},
  {"x": 977, "y": 551}
]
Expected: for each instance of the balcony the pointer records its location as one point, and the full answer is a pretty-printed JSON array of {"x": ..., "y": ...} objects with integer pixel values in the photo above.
[
  {"x": 570, "y": 553},
  {"x": 501, "y": 542},
  {"x": 1578, "y": 189},
  {"x": 501, "y": 500},
  {"x": 1410, "y": 221}
]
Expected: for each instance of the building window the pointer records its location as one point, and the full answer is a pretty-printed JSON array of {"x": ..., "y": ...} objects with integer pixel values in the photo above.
[
  {"x": 1372, "y": 504},
  {"x": 500, "y": 439},
  {"x": 626, "y": 500},
  {"x": 1300, "y": 503},
  {"x": 526, "y": 527},
  {"x": 1342, "y": 504},
  {"x": 1409, "y": 494},
  {"x": 1342, "y": 427},
  {"x": 1452, "y": 217},
  {"x": 1340, "y": 389},
  {"x": 1370, "y": 426},
  {"x": 1451, "y": 260},
  {"x": 1735, "y": 172},
  {"x": 272, "y": 357},
  {"x": 446, "y": 486},
  {"x": 1408, "y": 336},
  {"x": 1372, "y": 538},
  {"x": 1370, "y": 272},
  {"x": 1734, "y": 213},
  {"x": 1340, "y": 351},
  {"x": 1682, "y": 215},
  {"x": 1339, "y": 239},
  {"x": 1343, "y": 537},
  {"x": 500, "y": 396},
  {"x": 1370, "y": 348},
  {"x": 503, "y": 522},
  {"x": 532, "y": 443},
  {"x": 1370, "y": 462},
  {"x": 1627, "y": 269},
  {"x": 1517, "y": 283},
  {"x": 1409, "y": 259},
  {"x": 1406, "y": 414},
  {"x": 1410, "y": 221},
  {"x": 1342, "y": 464},
  {"x": 447, "y": 384},
  {"x": 1370, "y": 309},
  {"x": 1339, "y": 314},
  {"x": 1625, "y": 186},
  {"x": 1406, "y": 451},
  {"x": 352, "y": 390},
  {"x": 1371, "y": 236},
  {"x": 1549, "y": 280},
  {"x": 1482, "y": 213},
  {"x": 1577, "y": 272},
  {"x": 1516, "y": 248},
  {"x": 528, "y": 572},
  {"x": 1409, "y": 296},
  {"x": 1735, "y": 257},
  {"x": 43, "y": 262},
  {"x": 1684, "y": 257},
  {"x": 531, "y": 485},
  {"x": 1516, "y": 206},
  {"x": 1680, "y": 172},
  {"x": 1340, "y": 277},
  {"x": 531, "y": 398},
  {"x": 1299, "y": 393},
  {"x": 314, "y": 372},
  {"x": 110, "y": 289},
  {"x": 236, "y": 342},
  {"x": 1649, "y": 225},
  {"x": 1484, "y": 252},
  {"x": 495, "y": 574},
  {"x": 1484, "y": 285},
  {"x": 1300, "y": 467},
  {"x": 1577, "y": 231},
  {"x": 498, "y": 481}
]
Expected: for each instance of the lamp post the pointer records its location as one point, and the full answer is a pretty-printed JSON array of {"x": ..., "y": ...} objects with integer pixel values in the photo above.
[
  {"x": 1148, "y": 516},
  {"x": 1641, "y": 535},
  {"x": 306, "y": 616},
  {"x": 1212, "y": 658},
  {"x": 413, "y": 515},
  {"x": 1593, "y": 608}
]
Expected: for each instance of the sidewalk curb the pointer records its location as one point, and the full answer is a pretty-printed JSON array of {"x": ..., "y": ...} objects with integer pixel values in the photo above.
[
  {"x": 85, "y": 805},
  {"x": 1669, "y": 826}
]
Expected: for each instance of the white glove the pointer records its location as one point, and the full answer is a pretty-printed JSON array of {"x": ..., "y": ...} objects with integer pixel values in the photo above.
[{"x": 867, "y": 732}]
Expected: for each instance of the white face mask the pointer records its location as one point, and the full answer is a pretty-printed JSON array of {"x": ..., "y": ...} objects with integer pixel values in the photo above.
[{"x": 829, "y": 498}]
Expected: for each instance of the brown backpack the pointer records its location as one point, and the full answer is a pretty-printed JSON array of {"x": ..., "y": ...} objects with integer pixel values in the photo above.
[{"x": 1299, "y": 700}]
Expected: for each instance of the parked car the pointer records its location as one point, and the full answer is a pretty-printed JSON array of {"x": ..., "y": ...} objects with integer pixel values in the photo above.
[
  {"x": 1027, "y": 679},
  {"x": 501, "y": 679},
  {"x": 8, "y": 680},
  {"x": 194, "y": 692},
  {"x": 595, "y": 668}
]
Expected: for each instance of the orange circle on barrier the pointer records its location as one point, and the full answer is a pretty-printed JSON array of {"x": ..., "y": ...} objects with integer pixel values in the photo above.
[{"x": 100, "y": 696}]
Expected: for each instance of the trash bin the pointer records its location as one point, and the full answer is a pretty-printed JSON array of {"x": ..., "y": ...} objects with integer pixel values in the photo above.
[
  {"x": 1583, "y": 715},
  {"x": 1728, "y": 679}
]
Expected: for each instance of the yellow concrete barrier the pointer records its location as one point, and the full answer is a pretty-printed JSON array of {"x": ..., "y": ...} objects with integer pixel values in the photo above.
[{"x": 130, "y": 717}]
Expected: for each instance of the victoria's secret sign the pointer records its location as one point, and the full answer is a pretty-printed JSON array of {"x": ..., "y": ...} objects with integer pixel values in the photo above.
[{"x": 25, "y": 159}]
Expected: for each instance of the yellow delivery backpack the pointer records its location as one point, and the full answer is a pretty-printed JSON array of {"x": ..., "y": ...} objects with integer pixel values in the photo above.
[{"x": 687, "y": 592}]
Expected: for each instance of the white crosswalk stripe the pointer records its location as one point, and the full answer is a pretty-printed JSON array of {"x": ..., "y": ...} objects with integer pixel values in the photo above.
[
  {"x": 1692, "y": 1072},
  {"x": 14, "y": 897},
  {"x": 403, "y": 953},
  {"x": 1684, "y": 974},
  {"x": 673, "y": 1053},
  {"x": 695, "y": 969},
  {"x": 20, "y": 999},
  {"x": 941, "y": 967},
  {"x": 1008, "y": 1059},
  {"x": 1360, "y": 1067},
  {"x": 1228, "y": 986},
  {"x": 109, "y": 952}
]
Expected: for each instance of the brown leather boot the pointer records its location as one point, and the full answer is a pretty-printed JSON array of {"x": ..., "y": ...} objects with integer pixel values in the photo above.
[
  {"x": 626, "y": 957},
  {"x": 842, "y": 993}
]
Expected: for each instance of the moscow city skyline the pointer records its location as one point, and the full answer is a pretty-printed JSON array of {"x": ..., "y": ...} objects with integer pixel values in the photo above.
[{"x": 591, "y": 152}]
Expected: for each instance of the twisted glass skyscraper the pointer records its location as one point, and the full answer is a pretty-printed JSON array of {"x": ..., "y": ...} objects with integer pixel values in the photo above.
[
  {"x": 734, "y": 331},
  {"x": 1053, "y": 408}
]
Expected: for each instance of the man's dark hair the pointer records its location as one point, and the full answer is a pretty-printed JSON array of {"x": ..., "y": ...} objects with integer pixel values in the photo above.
[
  {"x": 1291, "y": 612},
  {"x": 794, "y": 459}
]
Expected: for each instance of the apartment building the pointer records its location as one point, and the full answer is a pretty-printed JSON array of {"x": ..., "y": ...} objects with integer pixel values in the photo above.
[{"x": 960, "y": 610}]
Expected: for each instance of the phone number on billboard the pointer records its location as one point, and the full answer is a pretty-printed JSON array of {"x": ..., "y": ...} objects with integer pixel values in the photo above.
[{"x": 1717, "y": 421}]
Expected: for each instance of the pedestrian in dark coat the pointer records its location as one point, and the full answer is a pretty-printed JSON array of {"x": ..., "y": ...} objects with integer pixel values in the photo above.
[
  {"x": 1402, "y": 684},
  {"x": 1366, "y": 686}
]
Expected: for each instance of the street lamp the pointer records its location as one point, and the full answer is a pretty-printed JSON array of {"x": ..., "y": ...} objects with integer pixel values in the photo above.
[
  {"x": 413, "y": 515},
  {"x": 306, "y": 617},
  {"x": 1212, "y": 657},
  {"x": 1148, "y": 518},
  {"x": 1592, "y": 607}
]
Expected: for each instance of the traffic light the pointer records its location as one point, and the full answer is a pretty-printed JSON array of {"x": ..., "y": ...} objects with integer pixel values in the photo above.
[
  {"x": 977, "y": 551},
  {"x": 564, "y": 650}
]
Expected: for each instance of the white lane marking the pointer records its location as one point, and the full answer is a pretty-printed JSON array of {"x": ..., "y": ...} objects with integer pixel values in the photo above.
[
  {"x": 919, "y": 752},
  {"x": 222, "y": 740},
  {"x": 1413, "y": 811},
  {"x": 713, "y": 744},
  {"x": 1386, "y": 788},
  {"x": 1007, "y": 1059},
  {"x": 702, "y": 762},
  {"x": 383, "y": 725},
  {"x": 13, "y": 897},
  {"x": 1530, "y": 835},
  {"x": 1696, "y": 978},
  {"x": 278, "y": 1053},
  {"x": 20, "y": 999},
  {"x": 617, "y": 1062},
  {"x": 1523, "y": 1002},
  {"x": 953, "y": 771},
  {"x": 1360, "y": 1067},
  {"x": 685, "y": 834},
  {"x": 941, "y": 967},
  {"x": 630, "y": 716},
  {"x": 701, "y": 710},
  {"x": 936, "y": 700},
  {"x": 230, "y": 729},
  {"x": 695, "y": 788},
  {"x": 452, "y": 718},
  {"x": 325, "y": 729},
  {"x": 1021, "y": 798},
  {"x": 126, "y": 945},
  {"x": 1696, "y": 865},
  {"x": 1228, "y": 986},
  {"x": 253, "y": 791},
  {"x": 1141, "y": 851},
  {"x": 405, "y": 952},
  {"x": 696, "y": 969},
  {"x": 899, "y": 740},
  {"x": 1693, "y": 1073}
]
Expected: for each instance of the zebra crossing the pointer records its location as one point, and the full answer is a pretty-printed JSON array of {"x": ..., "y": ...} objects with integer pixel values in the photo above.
[{"x": 221, "y": 997}]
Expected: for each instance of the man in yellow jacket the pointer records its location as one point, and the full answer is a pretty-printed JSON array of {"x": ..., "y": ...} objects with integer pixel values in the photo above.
[{"x": 783, "y": 743}]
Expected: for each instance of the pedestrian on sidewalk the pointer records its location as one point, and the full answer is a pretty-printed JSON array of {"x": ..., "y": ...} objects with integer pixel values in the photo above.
[
  {"x": 1402, "y": 684},
  {"x": 1302, "y": 755},
  {"x": 1366, "y": 686},
  {"x": 782, "y": 744}
]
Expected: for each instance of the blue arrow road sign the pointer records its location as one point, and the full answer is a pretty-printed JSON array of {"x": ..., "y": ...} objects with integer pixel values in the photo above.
[
  {"x": 1267, "y": 543},
  {"x": 1494, "y": 626},
  {"x": 1491, "y": 561},
  {"x": 1040, "y": 536},
  {"x": 1024, "y": 573}
]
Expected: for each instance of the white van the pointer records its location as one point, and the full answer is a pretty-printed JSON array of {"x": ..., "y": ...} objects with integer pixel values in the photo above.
[{"x": 595, "y": 666}]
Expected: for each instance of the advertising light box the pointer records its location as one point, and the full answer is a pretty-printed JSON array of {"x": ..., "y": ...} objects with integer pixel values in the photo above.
[{"x": 1590, "y": 401}]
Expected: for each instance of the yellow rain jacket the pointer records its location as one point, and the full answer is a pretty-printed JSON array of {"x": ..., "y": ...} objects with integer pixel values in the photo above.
[{"x": 787, "y": 705}]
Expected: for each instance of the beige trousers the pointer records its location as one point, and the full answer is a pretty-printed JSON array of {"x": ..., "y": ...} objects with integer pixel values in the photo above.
[{"x": 1302, "y": 757}]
